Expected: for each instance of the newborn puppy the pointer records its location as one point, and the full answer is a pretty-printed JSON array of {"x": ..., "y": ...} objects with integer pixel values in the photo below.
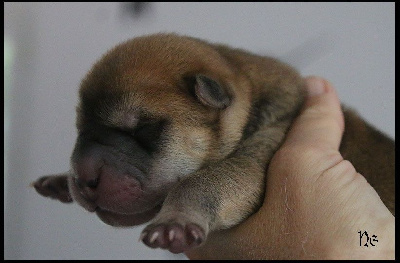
[{"x": 181, "y": 131}]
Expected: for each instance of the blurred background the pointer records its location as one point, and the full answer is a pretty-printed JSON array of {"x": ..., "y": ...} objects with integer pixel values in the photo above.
[{"x": 49, "y": 47}]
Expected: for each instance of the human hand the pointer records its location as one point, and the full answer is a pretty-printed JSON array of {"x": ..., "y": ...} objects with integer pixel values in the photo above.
[{"x": 315, "y": 202}]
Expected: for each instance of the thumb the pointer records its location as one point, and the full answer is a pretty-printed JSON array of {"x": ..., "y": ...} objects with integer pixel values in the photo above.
[{"x": 321, "y": 122}]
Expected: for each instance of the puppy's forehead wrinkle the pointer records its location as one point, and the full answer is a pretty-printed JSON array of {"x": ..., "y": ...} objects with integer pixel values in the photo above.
[
  {"x": 119, "y": 112},
  {"x": 123, "y": 119}
]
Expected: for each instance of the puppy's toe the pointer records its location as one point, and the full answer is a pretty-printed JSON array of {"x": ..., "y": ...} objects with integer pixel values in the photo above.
[
  {"x": 55, "y": 187},
  {"x": 175, "y": 237}
]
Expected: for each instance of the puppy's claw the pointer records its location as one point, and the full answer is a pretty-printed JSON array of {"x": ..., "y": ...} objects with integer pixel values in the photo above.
[
  {"x": 171, "y": 235},
  {"x": 142, "y": 236},
  {"x": 195, "y": 236},
  {"x": 154, "y": 237}
]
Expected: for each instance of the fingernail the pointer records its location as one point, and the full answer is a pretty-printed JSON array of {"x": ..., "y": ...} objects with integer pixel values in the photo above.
[{"x": 315, "y": 86}]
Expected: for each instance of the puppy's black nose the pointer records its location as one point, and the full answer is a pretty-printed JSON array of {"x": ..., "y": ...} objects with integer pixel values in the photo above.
[
  {"x": 88, "y": 170},
  {"x": 91, "y": 183},
  {"x": 87, "y": 188}
]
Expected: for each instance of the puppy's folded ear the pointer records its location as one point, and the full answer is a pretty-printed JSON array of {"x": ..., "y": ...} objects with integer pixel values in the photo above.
[{"x": 210, "y": 93}]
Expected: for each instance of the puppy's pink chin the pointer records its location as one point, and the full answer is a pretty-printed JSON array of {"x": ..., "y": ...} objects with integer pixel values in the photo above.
[{"x": 124, "y": 220}]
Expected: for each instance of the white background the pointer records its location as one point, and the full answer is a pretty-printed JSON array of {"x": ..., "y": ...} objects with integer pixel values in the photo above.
[{"x": 55, "y": 44}]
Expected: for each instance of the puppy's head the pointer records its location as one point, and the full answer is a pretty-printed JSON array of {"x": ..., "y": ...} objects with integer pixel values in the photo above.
[{"x": 151, "y": 111}]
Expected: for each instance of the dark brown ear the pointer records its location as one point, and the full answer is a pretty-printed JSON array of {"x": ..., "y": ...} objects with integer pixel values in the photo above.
[{"x": 210, "y": 93}]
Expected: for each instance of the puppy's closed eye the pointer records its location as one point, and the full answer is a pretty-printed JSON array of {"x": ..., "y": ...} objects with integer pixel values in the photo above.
[{"x": 147, "y": 134}]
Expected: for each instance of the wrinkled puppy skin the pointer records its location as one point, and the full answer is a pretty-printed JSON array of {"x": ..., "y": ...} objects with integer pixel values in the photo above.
[{"x": 180, "y": 131}]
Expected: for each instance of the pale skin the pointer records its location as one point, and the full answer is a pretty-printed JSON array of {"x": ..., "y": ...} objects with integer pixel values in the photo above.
[{"x": 315, "y": 203}]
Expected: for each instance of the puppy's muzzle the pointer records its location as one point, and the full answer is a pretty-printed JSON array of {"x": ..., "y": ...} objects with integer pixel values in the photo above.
[{"x": 104, "y": 181}]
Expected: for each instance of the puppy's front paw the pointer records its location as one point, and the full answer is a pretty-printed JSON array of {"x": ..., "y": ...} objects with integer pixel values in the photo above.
[
  {"x": 53, "y": 186},
  {"x": 175, "y": 237}
]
